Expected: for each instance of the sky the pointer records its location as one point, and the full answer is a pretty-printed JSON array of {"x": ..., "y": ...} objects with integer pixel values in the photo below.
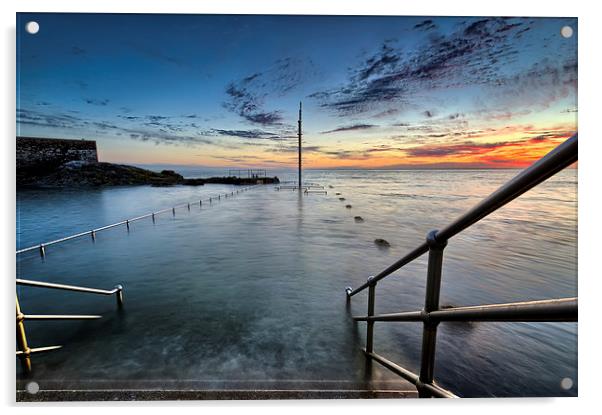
[{"x": 224, "y": 90}]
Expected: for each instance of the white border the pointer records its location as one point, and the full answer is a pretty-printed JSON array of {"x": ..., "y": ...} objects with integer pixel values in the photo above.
[{"x": 589, "y": 190}]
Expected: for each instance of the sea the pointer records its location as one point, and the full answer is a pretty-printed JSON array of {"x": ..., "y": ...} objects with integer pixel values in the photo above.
[{"x": 249, "y": 291}]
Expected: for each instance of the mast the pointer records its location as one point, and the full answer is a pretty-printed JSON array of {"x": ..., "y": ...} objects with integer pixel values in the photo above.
[{"x": 300, "y": 108}]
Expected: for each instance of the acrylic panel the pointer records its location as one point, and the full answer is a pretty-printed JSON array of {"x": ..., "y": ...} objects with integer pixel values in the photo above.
[{"x": 295, "y": 207}]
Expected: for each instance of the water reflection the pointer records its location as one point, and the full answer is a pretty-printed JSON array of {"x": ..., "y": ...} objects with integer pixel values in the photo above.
[{"x": 250, "y": 290}]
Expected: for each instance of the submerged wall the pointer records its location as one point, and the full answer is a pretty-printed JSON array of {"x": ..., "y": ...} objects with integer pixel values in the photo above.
[{"x": 44, "y": 154}]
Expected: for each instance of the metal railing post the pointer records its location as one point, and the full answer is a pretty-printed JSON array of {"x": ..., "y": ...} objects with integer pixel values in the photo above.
[
  {"x": 431, "y": 303},
  {"x": 370, "y": 325},
  {"x": 119, "y": 295},
  {"x": 22, "y": 341}
]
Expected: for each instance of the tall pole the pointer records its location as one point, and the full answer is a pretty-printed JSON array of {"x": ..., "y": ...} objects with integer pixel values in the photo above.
[{"x": 300, "y": 108}]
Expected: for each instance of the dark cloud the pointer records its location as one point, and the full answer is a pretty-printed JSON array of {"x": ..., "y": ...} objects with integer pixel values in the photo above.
[
  {"x": 472, "y": 148},
  {"x": 383, "y": 61},
  {"x": 426, "y": 25},
  {"x": 64, "y": 121},
  {"x": 76, "y": 50},
  {"x": 97, "y": 102},
  {"x": 249, "y": 106},
  {"x": 503, "y": 115},
  {"x": 156, "y": 118},
  {"x": 252, "y": 134},
  {"x": 50, "y": 120},
  {"x": 283, "y": 148},
  {"x": 353, "y": 127},
  {"x": 237, "y": 159},
  {"x": 347, "y": 154},
  {"x": 247, "y": 97},
  {"x": 539, "y": 86},
  {"x": 383, "y": 148},
  {"x": 477, "y": 53},
  {"x": 386, "y": 113},
  {"x": 160, "y": 55},
  {"x": 82, "y": 85}
]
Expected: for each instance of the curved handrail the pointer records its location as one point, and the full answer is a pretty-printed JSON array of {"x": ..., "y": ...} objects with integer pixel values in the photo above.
[{"x": 562, "y": 156}]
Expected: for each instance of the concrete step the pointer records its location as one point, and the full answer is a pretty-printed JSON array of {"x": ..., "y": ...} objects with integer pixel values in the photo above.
[{"x": 184, "y": 395}]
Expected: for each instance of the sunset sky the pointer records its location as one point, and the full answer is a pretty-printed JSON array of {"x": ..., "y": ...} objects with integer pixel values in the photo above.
[{"x": 224, "y": 90}]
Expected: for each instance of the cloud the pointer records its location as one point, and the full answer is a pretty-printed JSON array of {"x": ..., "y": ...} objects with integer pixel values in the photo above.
[
  {"x": 236, "y": 159},
  {"x": 283, "y": 148},
  {"x": 504, "y": 115},
  {"x": 478, "y": 52},
  {"x": 569, "y": 110},
  {"x": 386, "y": 113},
  {"x": 83, "y": 85},
  {"x": 247, "y": 97},
  {"x": 159, "y": 55},
  {"x": 426, "y": 25},
  {"x": 76, "y": 50},
  {"x": 159, "y": 129},
  {"x": 252, "y": 134},
  {"x": 40, "y": 119},
  {"x": 475, "y": 148},
  {"x": 97, "y": 102},
  {"x": 249, "y": 105},
  {"x": 61, "y": 121},
  {"x": 385, "y": 59},
  {"x": 353, "y": 127}
]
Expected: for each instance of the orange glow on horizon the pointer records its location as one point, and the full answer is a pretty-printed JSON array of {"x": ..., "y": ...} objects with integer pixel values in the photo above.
[{"x": 508, "y": 147}]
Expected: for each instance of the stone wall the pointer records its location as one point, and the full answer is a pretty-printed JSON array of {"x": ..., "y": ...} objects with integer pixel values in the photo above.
[{"x": 39, "y": 155}]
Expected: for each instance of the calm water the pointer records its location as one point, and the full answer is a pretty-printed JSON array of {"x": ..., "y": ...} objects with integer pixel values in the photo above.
[{"x": 249, "y": 292}]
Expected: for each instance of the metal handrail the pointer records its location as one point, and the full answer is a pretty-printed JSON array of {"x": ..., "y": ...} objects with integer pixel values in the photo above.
[
  {"x": 42, "y": 247},
  {"x": 560, "y": 309},
  {"x": 562, "y": 156},
  {"x": 557, "y": 310},
  {"x": 25, "y": 351},
  {"x": 30, "y": 283}
]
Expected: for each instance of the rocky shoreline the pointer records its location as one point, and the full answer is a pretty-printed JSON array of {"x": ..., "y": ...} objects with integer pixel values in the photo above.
[{"x": 93, "y": 174}]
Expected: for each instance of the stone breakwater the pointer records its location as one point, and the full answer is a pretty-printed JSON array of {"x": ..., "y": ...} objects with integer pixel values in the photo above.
[
  {"x": 87, "y": 174},
  {"x": 38, "y": 156},
  {"x": 49, "y": 162}
]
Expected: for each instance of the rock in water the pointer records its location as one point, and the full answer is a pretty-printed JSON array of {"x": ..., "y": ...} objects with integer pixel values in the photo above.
[
  {"x": 381, "y": 243},
  {"x": 348, "y": 206},
  {"x": 358, "y": 219}
]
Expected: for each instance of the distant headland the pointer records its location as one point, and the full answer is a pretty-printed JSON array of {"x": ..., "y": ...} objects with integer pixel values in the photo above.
[{"x": 50, "y": 162}]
